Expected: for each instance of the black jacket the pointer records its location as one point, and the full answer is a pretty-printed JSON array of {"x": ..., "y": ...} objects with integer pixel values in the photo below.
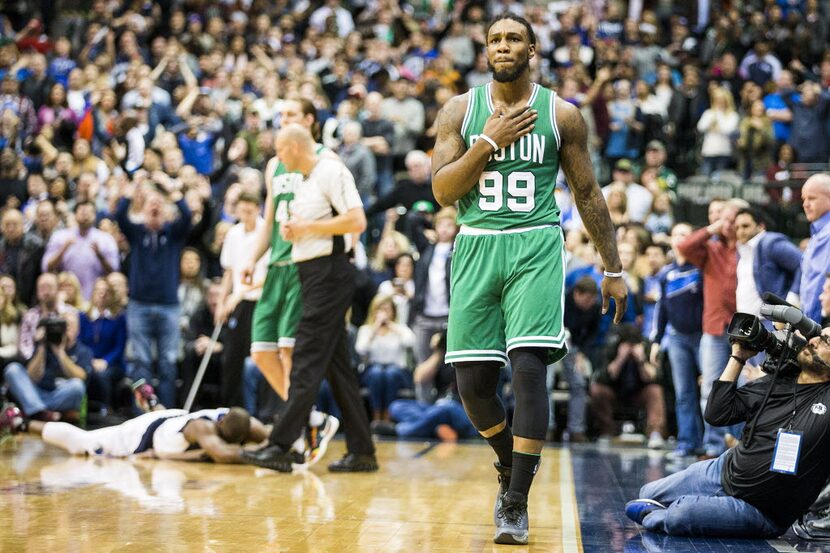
[
  {"x": 422, "y": 279},
  {"x": 26, "y": 268}
]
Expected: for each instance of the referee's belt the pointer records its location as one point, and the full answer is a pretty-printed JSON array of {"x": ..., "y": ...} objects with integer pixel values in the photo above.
[{"x": 474, "y": 231}]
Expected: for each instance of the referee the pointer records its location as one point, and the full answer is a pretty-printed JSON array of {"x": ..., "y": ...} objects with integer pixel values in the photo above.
[{"x": 326, "y": 209}]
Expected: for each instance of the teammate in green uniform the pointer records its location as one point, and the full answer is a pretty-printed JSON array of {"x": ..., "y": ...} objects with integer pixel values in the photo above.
[
  {"x": 277, "y": 312},
  {"x": 498, "y": 151}
]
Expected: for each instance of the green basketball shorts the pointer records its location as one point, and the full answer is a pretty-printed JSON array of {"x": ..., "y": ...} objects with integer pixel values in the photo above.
[
  {"x": 506, "y": 292},
  {"x": 278, "y": 310}
]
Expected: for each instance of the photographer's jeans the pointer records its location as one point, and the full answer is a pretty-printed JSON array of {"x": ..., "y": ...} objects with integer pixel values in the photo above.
[
  {"x": 697, "y": 505},
  {"x": 148, "y": 323},
  {"x": 416, "y": 419},
  {"x": 384, "y": 383},
  {"x": 714, "y": 354},
  {"x": 577, "y": 392},
  {"x": 66, "y": 396},
  {"x": 684, "y": 356}
]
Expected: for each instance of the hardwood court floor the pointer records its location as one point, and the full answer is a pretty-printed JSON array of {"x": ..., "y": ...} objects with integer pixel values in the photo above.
[{"x": 426, "y": 497}]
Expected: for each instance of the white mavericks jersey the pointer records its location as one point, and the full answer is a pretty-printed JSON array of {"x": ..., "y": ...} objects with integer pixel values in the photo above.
[
  {"x": 168, "y": 438},
  {"x": 160, "y": 431}
]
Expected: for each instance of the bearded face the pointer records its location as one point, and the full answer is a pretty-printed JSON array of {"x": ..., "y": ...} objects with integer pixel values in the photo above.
[
  {"x": 509, "y": 49},
  {"x": 815, "y": 357},
  {"x": 510, "y": 73}
]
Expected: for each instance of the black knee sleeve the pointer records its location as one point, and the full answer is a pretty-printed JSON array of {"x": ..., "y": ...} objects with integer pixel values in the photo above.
[
  {"x": 477, "y": 385},
  {"x": 530, "y": 419}
]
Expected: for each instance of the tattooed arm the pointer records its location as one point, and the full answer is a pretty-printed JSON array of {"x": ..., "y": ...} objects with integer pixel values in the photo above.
[
  {"x": 456, "y": 169},
  {"x": 576, "y": 163}
]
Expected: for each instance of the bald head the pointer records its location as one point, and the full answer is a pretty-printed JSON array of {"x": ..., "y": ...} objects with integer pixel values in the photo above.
[
  {"x": 12, "y": 225},
  {"x": 297, "y": 134},
  {"x": 815, "y": 196},
  {"x": 295, "y": 148}
]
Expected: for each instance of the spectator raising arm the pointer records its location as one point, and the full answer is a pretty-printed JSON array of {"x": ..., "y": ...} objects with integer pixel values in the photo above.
[{"x": 693, "y": 247}]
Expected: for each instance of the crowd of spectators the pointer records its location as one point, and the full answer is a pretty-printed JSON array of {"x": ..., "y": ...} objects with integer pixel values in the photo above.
[{"x": 132, "y": 132}]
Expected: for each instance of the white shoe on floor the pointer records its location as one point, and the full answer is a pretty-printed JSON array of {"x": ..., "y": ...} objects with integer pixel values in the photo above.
[
  {"x": 318, "y": 438},
  {"x": 656, "y": 441}
]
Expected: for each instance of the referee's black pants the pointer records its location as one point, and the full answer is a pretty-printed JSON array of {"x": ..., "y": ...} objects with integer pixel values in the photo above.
[
  {"x": 327, "y": 285},
  {"x": 237, "y": 348}
]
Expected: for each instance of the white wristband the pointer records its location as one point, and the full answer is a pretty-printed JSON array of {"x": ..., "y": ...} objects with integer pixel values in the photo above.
[
  {"x": 609, "y": 274},
  {"x": 490, "y": 141}
]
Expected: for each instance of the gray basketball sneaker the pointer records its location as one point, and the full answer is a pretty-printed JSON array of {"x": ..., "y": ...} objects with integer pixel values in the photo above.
[
  {"x": 511, "y": 520},
  {"x": 504, "y": 485}
]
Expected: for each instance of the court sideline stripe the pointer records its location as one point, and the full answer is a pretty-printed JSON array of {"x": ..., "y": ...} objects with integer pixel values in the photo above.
[{"x": 571, "y": 536}]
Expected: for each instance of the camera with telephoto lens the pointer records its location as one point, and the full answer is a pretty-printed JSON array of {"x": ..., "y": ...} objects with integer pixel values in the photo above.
[
  {"x": 55, "y": 329},
  {"x": 781, "y": 346}
]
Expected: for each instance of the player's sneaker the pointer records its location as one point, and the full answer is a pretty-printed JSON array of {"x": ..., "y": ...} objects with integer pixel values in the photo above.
[
  {"x": 511, "y": 520},
  {"x": 274, "y": 457},
  {"x": 11, "y": 419},
  {"x": 145, "y": 395},
  {"x": 504, "y": 485},
  {"x": 318, "y": 438},
  {"x": 638, "y": 509}
]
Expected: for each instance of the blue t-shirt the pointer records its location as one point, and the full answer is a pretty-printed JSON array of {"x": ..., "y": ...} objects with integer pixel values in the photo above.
[
  {"x": 59, "y": 69},
  {"x": 781, "y": 129},
  {"x": 198, "y": 151},
  {"x": 80, "y": 355}
]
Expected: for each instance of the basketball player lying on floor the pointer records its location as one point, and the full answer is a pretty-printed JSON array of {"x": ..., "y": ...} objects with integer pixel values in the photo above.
[{"x": 208, "y": 435}]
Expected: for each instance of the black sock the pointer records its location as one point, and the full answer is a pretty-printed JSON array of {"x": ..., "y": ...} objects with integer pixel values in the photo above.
[
  {"x": 524, "y": 468},
  {"x": 502, "y": 444}
]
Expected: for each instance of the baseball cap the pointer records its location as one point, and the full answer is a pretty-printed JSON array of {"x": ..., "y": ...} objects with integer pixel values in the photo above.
[
  {"x": 423, "y": 206},
  {"x": 624, "y": 165}
]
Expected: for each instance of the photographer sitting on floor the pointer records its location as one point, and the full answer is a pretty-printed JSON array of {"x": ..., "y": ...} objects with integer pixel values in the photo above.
[
  {"x": 759, "y": 488},
  {"x": 52, "y": 381}
]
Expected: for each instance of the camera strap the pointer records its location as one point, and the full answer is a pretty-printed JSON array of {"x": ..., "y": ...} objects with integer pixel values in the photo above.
[{"x": 795, "y": 404}]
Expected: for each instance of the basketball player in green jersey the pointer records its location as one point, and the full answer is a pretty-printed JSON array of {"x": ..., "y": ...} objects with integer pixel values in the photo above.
[
  {"x": 498, "y": 151},
  {"x": 277, "y": 312}
]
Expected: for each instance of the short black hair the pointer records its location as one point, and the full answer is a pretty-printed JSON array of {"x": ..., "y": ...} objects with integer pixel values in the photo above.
[
  {"x": 83, "y": 203},
  {"x": 507, "y": 15},
  {"x": 235, "y": 426},
  {"x": 629, "y": 333},
  {"x": 756, "y": 215},
  {"x": 405, "y": 254},
  {"x": 586, "y": 285},
  {"x": 191, "y": 249}
]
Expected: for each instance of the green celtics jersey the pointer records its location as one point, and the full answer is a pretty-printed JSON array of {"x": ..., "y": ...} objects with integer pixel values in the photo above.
[
  {"x": 283, "y": 183},
  {"x": 516, "y": 188}
]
